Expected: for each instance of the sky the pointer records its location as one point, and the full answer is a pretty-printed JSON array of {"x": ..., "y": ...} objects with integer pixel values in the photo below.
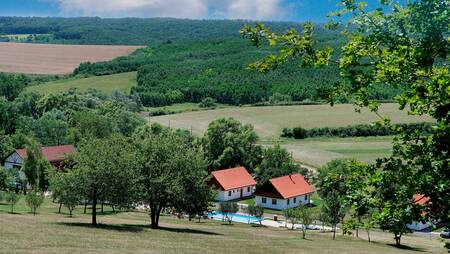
[{"x": 284, "y": 10}]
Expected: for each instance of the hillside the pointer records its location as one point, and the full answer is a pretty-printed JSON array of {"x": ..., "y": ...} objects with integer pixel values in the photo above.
[
  {"x": 127, "y": 232},
  {"x": 107, "y": 84}
]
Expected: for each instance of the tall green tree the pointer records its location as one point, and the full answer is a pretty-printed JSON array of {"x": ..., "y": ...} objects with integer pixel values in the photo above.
[
  {"x": 67, "y": 188},
  {"x": 172, "y": 171},
  {"x": 334, "y": 209},
  {"x": 398, "y": 45},
  {"x": 5, "y": 179},
  {"x": 276, "y": 162},
  {"x": 36, "y": 167},
  {"x": 108, "y": 171},
  {"x": 228, "y": 143}
]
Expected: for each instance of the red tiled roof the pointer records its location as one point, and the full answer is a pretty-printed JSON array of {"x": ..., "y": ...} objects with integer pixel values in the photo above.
[
  {"x": 52, "y": 153},
  {"x": 421, "y": 199},
  {"x": 289, "y": 186},
  {"x": 233, "y": 178}
]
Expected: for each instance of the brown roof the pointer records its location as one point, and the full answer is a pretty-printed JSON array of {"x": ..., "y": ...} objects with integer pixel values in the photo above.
[
  {"x": 232, "y": 178},
  {"x": 421, "y": 199},
  {"x": 285, "y": 187},
  {"x": 52, "y": 153}
]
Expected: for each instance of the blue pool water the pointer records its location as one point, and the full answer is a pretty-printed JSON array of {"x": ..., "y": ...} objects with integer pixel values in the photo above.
[{"x": 237, "y": 217}]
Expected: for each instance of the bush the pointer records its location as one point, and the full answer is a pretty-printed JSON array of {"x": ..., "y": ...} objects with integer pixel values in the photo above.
[
  {"x": 12, "y": 198},
  {"x": 207, "y": 102},
  {"x": 34, "y": 200},
  {"x": 362, "y": 130}
]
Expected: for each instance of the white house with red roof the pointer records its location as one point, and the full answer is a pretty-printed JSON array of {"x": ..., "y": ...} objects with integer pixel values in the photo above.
[
  {"x": 284, "y": 192},
  {"x": 419, "y": 225},
  {"x": 54, "y": 154},
  {"x": 232, "y": 184}
]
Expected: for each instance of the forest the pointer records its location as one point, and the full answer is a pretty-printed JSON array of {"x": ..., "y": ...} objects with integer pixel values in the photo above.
[{"x": 189, "y": 60}]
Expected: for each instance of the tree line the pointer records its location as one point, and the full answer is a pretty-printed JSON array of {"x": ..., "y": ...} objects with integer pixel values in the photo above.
[{"x": 360, "y": 130}]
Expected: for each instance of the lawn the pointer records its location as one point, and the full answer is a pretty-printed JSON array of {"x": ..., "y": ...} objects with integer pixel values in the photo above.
[
  {"x": 270, "y": 121},
  {"x": 107, "y": 84},
  {"x": 185, "y": 107},
  {"x": 318, "y": 151},
  {"x": 49, "y": 232}
]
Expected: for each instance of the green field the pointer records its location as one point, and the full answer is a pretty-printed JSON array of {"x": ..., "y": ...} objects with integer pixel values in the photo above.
[
  {"x": 107, "y": 84},
  {"x": 318, "y": 151},
  {"x": 49, "y": 232},
  {"x": 269, "y": 122}
]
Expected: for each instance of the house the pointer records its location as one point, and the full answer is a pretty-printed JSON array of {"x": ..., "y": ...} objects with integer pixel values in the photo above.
[
  {"x": 284, "y": 192},
  {"x": 418, "y": 225},
  {"x": 54, "y": 154},
  {"x": 233, "y": 183}
]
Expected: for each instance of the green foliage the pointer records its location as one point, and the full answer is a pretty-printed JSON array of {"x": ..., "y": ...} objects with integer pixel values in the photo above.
[
  {"x": 207, "y": 102},
  {"x": 36, "y": 167},
  {"x": 305, "y": 215},
  {"x": 276, "y": 162},
  {"x": 361, "y": 130},
  {"x": 256, "y": 211},
  {"x": 334, "y": 209},
  {"x": 67, "y": 188},
  {"x": 172, "y": 174},
  {"x": 227, "y": 143},
  {"x": 12, "y": 85},
  {"x": 34, "y": 200},
  {"x": 5, "y": 179},
  {"x": 12, "y": 198},
  {"x": 108, "y": 171},
  {"x": 228, "y": 209}
]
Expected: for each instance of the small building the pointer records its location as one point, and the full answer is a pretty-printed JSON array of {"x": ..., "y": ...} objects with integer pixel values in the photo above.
[
  {"x": 284, "y": 192},
  {"x": 232, "y": 184},
  {"x": 418, "y": 225},
  {"x": 54, "y": 154}
]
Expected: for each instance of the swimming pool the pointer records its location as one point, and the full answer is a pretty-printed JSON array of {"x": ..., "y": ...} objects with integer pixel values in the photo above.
[{"x": 237, "y": 217}]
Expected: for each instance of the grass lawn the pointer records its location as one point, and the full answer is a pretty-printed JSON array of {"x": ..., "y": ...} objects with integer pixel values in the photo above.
[
  {"x": 185, "y": 107},
  {"x": 318, "y": 151},
  {"x": 107, "y": 84},
  {"x": 49, "y": 232},
  {"x": 270, "y": 121}
]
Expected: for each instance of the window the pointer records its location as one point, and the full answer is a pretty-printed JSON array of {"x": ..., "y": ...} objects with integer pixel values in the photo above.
[
  {"x": 264, "y": 200},
  {"x": 295, "y": 200},
  {"x": 274, "y": 201},
  {"x": 288, "y": 201},
  {"x": 248, "y": 189},
  {"x": 229, "y": 193}
]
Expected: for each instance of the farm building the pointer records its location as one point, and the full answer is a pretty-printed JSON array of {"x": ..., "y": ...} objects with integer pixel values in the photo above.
[
  {"x": 233, "y": 183},
  {"x": 54, "y": 154},
  {"x": 284, "y": 192}
]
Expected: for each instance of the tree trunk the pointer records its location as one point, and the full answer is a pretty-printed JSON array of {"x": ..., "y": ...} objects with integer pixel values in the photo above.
[
  {"x": 60, "y": 206},
  {"x": 368, "y": 235},
  {"x": 398, "y": 239},
  {"x": 85, "y": 206},
  {"x": 334, "y": 232},
  {"x": 94, "y": 208},
  {"x": 154, "y": 218},
  {"x": 303, "y": 233},
  {"x": 114, "y": 210}
]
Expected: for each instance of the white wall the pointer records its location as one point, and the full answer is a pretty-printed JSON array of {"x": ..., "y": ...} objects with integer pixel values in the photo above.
[
  {"x": 235, "y": 194},
  {"x": 13, "y": 160},
  {"x": 281, "y": 204}
]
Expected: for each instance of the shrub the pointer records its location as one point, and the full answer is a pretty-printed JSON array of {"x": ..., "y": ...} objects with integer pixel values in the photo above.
[
  {"x": 207, "y": 102},
  {"x": 34, "y": 200}
]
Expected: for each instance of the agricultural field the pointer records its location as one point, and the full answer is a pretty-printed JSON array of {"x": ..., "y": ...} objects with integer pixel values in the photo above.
[
  {"x": 49, "y": 232},
  {"x": 54, "y": 59},
  {"x": 107, "y": 84},
  {"x": 269, "y": 122}
]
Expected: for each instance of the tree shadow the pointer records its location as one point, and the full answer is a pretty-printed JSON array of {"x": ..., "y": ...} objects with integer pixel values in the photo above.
[
  {"x": 405, "y": 247},
  {"x": 112, "y": 227},
  {"x": 187, "y": 231}
]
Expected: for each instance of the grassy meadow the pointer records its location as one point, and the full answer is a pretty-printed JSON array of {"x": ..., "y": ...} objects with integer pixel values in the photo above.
[
  {"x": 107, "y": 84},
  {"x": 49, "y": 232},
  {"x": 269, "y": 122}
]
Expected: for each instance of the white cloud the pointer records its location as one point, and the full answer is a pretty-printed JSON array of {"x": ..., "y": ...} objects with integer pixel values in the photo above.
[{"x": 235, "y": 9}]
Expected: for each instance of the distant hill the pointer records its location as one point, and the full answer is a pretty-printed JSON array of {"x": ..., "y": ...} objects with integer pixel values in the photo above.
[{"x": 126, "y": 31}]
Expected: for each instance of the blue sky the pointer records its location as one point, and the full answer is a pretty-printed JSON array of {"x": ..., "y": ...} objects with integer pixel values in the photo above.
[{"x": 288, "y": 10}]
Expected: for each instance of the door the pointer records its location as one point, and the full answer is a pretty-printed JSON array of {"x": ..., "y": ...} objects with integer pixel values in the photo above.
[{"x": 242, "y": 192}]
